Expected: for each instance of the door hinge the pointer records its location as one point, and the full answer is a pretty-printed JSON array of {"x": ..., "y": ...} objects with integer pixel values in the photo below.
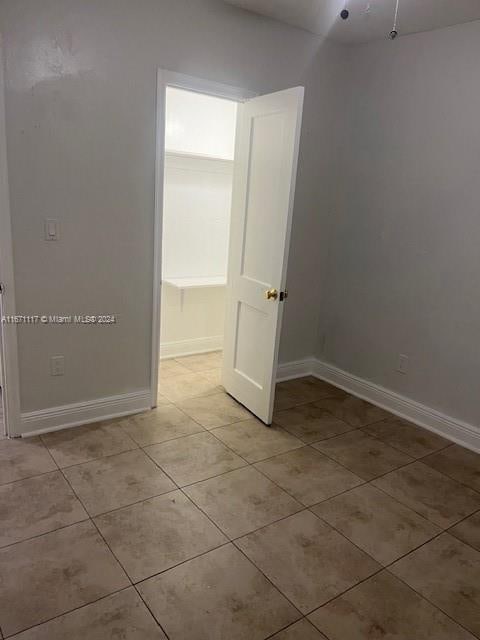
[
  {"x": 283, "y": 295},
  {"x": 2, "y": 287}
]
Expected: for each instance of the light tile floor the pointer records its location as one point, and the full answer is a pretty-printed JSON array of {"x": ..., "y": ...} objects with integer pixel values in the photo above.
[{"x": 197, "y": 522}]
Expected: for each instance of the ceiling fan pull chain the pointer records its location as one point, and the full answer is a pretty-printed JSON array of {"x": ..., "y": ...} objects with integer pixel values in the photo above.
[{"x": 394, "y": 32}]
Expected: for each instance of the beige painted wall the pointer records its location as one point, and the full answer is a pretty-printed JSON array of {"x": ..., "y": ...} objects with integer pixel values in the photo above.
[
  {"x": 404, "y": 268},
  {"x": 81, "y": 128}
]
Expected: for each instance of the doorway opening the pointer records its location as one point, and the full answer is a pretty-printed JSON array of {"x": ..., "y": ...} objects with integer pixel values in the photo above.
[
  {"x": 225, "y": 183},
  {"x": 198, "y": 174}
]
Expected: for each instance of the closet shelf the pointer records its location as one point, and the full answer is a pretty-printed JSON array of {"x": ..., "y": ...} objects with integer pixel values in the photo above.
[
  {"x": 196, "y": 282},
  {"x": 195, "y": 156}
]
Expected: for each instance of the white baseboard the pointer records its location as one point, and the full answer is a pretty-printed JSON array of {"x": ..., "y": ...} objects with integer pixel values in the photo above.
[
  {"x": 296, "y": 369},
  {"x": 464, "y": 434},
  {"x": 467, "y": 435},
  {"x": 190, "y": 347},
  {"x": 72, "y": 415}
]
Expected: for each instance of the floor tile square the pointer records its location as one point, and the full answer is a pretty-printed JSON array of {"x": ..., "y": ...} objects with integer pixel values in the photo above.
[
  {"x": 55, "y": 573},
  {"x": 310, "y": 423},
  {"x": 214, "y": 411},
  {"x": 291, "y": 393},
  {"x": 22, "y": 458},
  {"x": 157, "y": 534},
  {"x": 354, "y": 411},
  {"x": 202, "y": 361},
  {"x": 366, "y": 457},
  {"x": 407, "y": 437},
  {"x": 81, "y": 444},
  {"x": 468, "y": 531},
  {"x": 218, "y": 596},
  {"x": 162, "y": 400},
  {"x": 194, "y": 458},
  {"x": 431, "y": 494},
  {"x": 214, "y": 376},
  {"x": 376, "y": 523},
  {"x": 284, "y": 399},
  {"x": 308, "y": 561},
  {"x": 187, "y": 385},
  {"x": 458, "y": 463},
  {"x": 447, "y": 573},
  {"x": 254, "y": 441},
  {"x": 117, "y": 481},
  {"x": 159, "y": 425},
  {"x": 122, "y": 616},
  {"x": 301, "y": 630},
  {"x": 241, "y": 501},
  {"x": 308, "y": 475},
  {"x": 37, "y": 505},
  {"x": 383, "y": 607},
  {"x": 170, "y": 367}
]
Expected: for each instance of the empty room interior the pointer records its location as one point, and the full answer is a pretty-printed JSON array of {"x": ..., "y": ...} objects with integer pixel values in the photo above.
[{"x": 239, "y": 300}]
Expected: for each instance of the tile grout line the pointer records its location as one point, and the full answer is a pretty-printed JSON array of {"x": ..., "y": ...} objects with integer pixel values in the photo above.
[
  {"x": 151, "y": 612},
  {"x": 366, "y": 482},
  {"x": 191, "y": 484},
  {"x": 291, "y": 624},
  {"x": 387, "y": 567},
  {"x": 402, "y": 466},
  {"x": 105, "y": 457},
  {"x": 435, "y": 606},
  {"x": 385, "y": 570},
  {"x": 382, "y": 567},
  {"x": 132, "y": 584},
  {"x": 356, "y": 474},
  {"x": 459, "y": 482},
  {"x": 252, "y": 464},
  {"x": 363, "y": 427},
  {"x": 414, "y": 509},
  {"x": 475, "y": 513},
  {"x": 269, "y": 581},
  {"x": 232, "y": 541},
  {"x": 60, "y": 615},
  {"x": 418, "y": 458},
  {"x": 143, "y": 448},
  {"x": 46, "y": 533},
  {"x": 99, "y": 532},
  {"x": 182, "y": 562},
  {"x": 37, "y": 475},
  {"x": 305, "y": 508}
]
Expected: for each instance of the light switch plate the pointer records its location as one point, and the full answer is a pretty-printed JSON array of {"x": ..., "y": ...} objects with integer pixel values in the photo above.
[
  {"x": 402, "y": 364},
  {"x": 52, "y": 229},
  {"x": 57, "y": 365}
]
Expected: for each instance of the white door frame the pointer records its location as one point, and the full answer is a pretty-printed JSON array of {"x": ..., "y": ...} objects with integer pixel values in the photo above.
[
  {"x": 11, "y": 395},
  {"x": 181, "y": 81}
]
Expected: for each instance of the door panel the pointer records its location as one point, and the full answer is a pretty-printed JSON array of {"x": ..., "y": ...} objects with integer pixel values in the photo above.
[{"x": 268, "y": 135}]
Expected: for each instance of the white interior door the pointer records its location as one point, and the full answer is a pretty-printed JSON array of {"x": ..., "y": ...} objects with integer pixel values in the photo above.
[{"x": 266, "y": 155}]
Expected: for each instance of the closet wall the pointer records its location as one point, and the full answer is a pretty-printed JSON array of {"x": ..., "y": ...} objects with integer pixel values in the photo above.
[{"x": 200, "y": 138}]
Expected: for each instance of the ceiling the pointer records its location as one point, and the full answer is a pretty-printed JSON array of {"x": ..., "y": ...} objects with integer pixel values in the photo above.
[{"x": 369, "y": 19}]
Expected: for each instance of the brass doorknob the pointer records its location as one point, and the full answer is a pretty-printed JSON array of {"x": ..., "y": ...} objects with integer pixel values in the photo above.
[{"x": 271, "y": 294}]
